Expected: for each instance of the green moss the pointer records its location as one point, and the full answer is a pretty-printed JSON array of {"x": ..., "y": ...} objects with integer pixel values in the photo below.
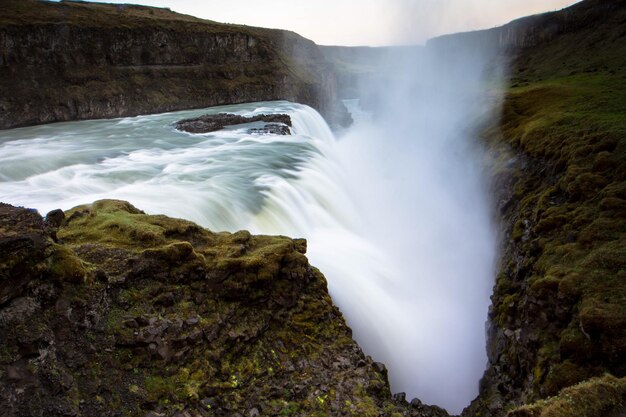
[
  {"x": 598, "y": 397},
  {"x": 289, "y": 409},
  {"x": 64, "y": 265},
  {"x": 566, "y": 221},
  {"x": 545, "y": 286},
  {"x": 506, "y": 308},
  {"x": 112, "y": 222},
  {"x": 158, "y": 389}
]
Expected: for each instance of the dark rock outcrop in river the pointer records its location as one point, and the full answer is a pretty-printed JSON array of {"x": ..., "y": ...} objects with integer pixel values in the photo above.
[
  {"x": 129, "y": 314},
  {"x": 74, "y": 60},
  {"x": 275, "y": 123}
]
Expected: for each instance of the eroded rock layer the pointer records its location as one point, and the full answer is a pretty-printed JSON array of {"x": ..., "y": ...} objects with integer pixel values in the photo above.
[{"x": 74, "y": 60}]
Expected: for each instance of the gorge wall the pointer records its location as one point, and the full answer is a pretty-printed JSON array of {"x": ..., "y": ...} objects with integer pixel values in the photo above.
[
  {"x": 73, "y": 60},
  {"x": 558, "y": 315},
  {"x": 537, "y": 29}
]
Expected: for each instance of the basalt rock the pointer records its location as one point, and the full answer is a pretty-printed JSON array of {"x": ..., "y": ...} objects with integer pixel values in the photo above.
[
  {"x": 275, "y": 123},
  {"x": 62, "y": 61},
  {"x": 130, "y": 314}
]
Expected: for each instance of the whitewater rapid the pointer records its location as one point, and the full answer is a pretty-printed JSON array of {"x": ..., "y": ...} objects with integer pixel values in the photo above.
[{"x": 402, "y": 289}]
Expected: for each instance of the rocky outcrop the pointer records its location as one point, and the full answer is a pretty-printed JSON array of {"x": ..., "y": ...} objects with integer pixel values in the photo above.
[
  {"x": 73, "y": 60},
  {"x": 275, "y": 123},
  {"x": 130, "y": 314}
]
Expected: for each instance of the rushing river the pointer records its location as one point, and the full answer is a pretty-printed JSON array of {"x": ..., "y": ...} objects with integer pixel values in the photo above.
[{"x": 400, "y": 279}]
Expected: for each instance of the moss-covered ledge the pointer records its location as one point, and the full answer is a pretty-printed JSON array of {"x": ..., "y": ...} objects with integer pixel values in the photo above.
[
  {"x": 119, "y": 313},
  {"x": 598, "y": 397}
]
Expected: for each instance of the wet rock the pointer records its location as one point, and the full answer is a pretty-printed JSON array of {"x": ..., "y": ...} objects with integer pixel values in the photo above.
[
  {"x": 131, "y": 323},
  {"x": 416, "y": 403},
  {"x": 55, "y": 218},
  {"x": 191, "y": 321},
  {"x": 142, "y": 321},
  {"x": 380, "y": 368},
  {"x": 24, "y": 247},
  {"x": 67, "y": 381},
  {"x": 18, "y": 310},
  {"x": 19, "y": 372},
  {"x": 276, "y": 123},
  {"x": 165, "y": 352},
  {"x": 194, "y": 336},
  {"x": 400, "y": 397},
  {"x": 271, "y": 129},
  {"x": 166, "y": 300}
]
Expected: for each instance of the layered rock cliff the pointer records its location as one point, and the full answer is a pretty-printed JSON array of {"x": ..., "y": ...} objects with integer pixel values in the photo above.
[
  {"x": 578, "y": 35},
  {"x": 74, "y": 60}
]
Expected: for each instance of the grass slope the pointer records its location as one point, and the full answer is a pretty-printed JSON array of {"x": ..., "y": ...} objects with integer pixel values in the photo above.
[{"x": 598, "y": 397}]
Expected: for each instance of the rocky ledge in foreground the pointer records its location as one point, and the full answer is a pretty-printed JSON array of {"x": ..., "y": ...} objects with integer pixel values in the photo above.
[
  {"x": 276, "y": 124},
  {"x": 106, "y": 311}
]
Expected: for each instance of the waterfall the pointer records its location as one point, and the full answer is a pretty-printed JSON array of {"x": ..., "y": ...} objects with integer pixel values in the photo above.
[{"x": 396, "y": 249}]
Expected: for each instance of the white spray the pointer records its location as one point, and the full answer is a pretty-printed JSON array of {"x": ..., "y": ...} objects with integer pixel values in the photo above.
[{"x": 398, "y": 217}]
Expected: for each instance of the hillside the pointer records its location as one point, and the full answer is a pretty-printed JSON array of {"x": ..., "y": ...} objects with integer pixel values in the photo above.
[
  {"x": 559, "y": 304},
  {"x": 74, "y": 60},
  {"x": 107, "y": 311}
]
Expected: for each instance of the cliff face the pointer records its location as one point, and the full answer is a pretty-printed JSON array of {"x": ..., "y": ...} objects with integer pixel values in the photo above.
[
  {"x": 558, "y": 315},
  {"x": 105, "y": 311},
  {"x": 574, "y": 39},
  {"x": 68, "y": 61}
]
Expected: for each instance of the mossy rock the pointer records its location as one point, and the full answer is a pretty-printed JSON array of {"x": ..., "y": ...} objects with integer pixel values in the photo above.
[
  {"x": 598, "y": 397},
  {"x": 66, "y": 266},
  {"x": 138, "y": 314}
]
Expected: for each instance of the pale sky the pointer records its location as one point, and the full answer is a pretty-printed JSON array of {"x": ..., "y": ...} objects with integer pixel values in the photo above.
[{"x": 362, "y": 22}]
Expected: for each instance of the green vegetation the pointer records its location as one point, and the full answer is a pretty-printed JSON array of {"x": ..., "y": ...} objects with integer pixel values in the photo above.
[
  {"x": 29, "y": 12},
  {"x": 570, "y": 223},
  {"x": 597, "y": 397},
  {"x": 559, "y": 163},
  {"x": 559, "y": 152},
  {"x": 140, "y": 313}
]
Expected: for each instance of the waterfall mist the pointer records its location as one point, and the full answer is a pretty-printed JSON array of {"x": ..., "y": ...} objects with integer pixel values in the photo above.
[
  {"x": 398, "y": 216},
  {"x": 415, "y": 175}
]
